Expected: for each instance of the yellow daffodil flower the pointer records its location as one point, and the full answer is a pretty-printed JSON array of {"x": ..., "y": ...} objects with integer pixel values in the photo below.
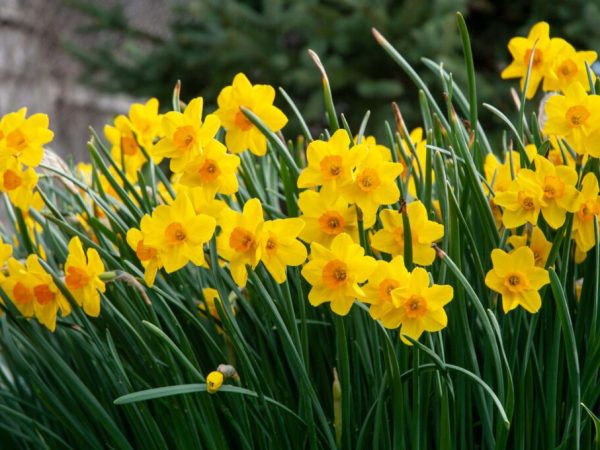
[
  {"x": 47, "y": 297},
  {"x": 378, "y": 291},
  {"x": 178, "y": 233},
  {"x": 24, "y": 137},
  {"x": 568, "y": 67},
  {"x": 214, "y": 170},
  {"x": 18, "y": 286},
  {"x": 18, "y": 183},
  {"x": 515, "y": 276},
  {"x": 146, "y": 122},
  {"x": 33, "y": 292},
  {"x": 424, "y": 233},
  {"x": 499, "y": 175},
  {"x": 239, "y": 240},
  {"x": 539, "y": 245},
  {"x": 326, "y": 216},
  {"x": 583, "y": 219},
  {"x": 522, "y": 201},
  {"x": 419, "y": 306},
  {"x": 125, "y": 150},
  {"x": 374, "y": 185},
  {"x": 149, "y": 256},
  {"x": 82, "y": 277},
  {"x": 335, "y": 273},
  {"x": 280, "y": 248},
  {"x": 186, "y": 135},
  {"x": 560, "y": 193},
  {"x": 331, "y": 163},
  {"x": 521, "y": 49},
  {"x": 241, "y": 134},
  {"x": 575, "y": 116}
]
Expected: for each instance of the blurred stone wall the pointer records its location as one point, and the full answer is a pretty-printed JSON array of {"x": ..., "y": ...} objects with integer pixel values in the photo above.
[{"x": 36, "y": 72}]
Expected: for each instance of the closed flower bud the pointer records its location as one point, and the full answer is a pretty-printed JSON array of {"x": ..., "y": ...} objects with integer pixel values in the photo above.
[{"x": 214, "y": 380}]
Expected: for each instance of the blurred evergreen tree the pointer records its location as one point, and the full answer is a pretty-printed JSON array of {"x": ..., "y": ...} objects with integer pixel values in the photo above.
[{"x": 209, "y": 41}]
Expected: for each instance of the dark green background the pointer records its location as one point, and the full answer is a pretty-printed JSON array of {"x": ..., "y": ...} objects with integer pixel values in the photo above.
[{"x": 209, "y": 41}]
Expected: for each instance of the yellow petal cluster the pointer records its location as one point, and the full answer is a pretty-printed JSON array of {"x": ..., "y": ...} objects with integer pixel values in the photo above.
[
  {"x": 517, "y": 278},
  {"x": 575, "y": 117},
  {"x": 186, "y": 135},
  {"x": 360, "y": 174},
  {"x": 335, "y": 273},
  {"x": 246, "y": 239},
  {"x": 171, "y": 237},
  {"x": 587, "y": 213},
  {"x": 326, "y": 215},
  {"x": 22, "y": 141},
  {"x": 552, "y": 60},
  {"x": 424, "y": 232},
  {"x": 82, "y": 276},
  {"x": 241, "y": 134},
  {"x": 33, "y": 292},
  {"x": 537, "y": 242}
]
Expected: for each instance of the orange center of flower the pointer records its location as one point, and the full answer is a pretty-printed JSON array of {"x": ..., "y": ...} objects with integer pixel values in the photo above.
[
  {"x": 16, "y": 140},
  {"x": 143, "y": 252},
  {"x": 43, "y": 294},
  {"x": 516, "y": 282},
  {"x": 577, "y": 115},
  {"x": 184, "y": 137},
  {"x": 241, "y": 121},
  {"x": 209, "y": 170},
  {"x": 271, "y": 244},
  {"x": 386, "y": 287},
  {"x": 76, "y": 278},
  {"x": 332, "y": 222},
  {"x": 335, "y": 274},
  {"x": 368, "y": 180},
  {"x": 415, "y": 306},
  {"x": 331, "y": 167},
  {"x": 22, "y": 294},
  {"x": 11, "y": 179},
  {"x": 242, "y": 240},
  {"x": 567, "y": 69},
  {"x": 129, "y": 145},
  {"x": 588, "y": 210},
  {"x": 527, "y": 202},
  {"x": 175, "y": 234},
  {"x": 538, "y": 58},
  {"x": 553, "y": 187},
  {"x": 555, "y": 157}
]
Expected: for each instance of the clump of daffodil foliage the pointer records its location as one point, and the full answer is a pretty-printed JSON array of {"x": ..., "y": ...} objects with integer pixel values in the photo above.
[{"x": 207, "y": 283}]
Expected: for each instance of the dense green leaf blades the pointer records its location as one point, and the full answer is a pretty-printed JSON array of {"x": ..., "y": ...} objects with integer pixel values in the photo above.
[{"x": 571, "y": 352}]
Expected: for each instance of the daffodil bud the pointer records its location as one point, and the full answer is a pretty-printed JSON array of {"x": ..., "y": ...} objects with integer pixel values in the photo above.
[
  {"x": 214, "y": 380},
  {"x": 228, "y": 371}
]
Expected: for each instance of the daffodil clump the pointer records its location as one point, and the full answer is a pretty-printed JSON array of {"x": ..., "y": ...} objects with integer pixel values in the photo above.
[{"x": 423, "y": 289}]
